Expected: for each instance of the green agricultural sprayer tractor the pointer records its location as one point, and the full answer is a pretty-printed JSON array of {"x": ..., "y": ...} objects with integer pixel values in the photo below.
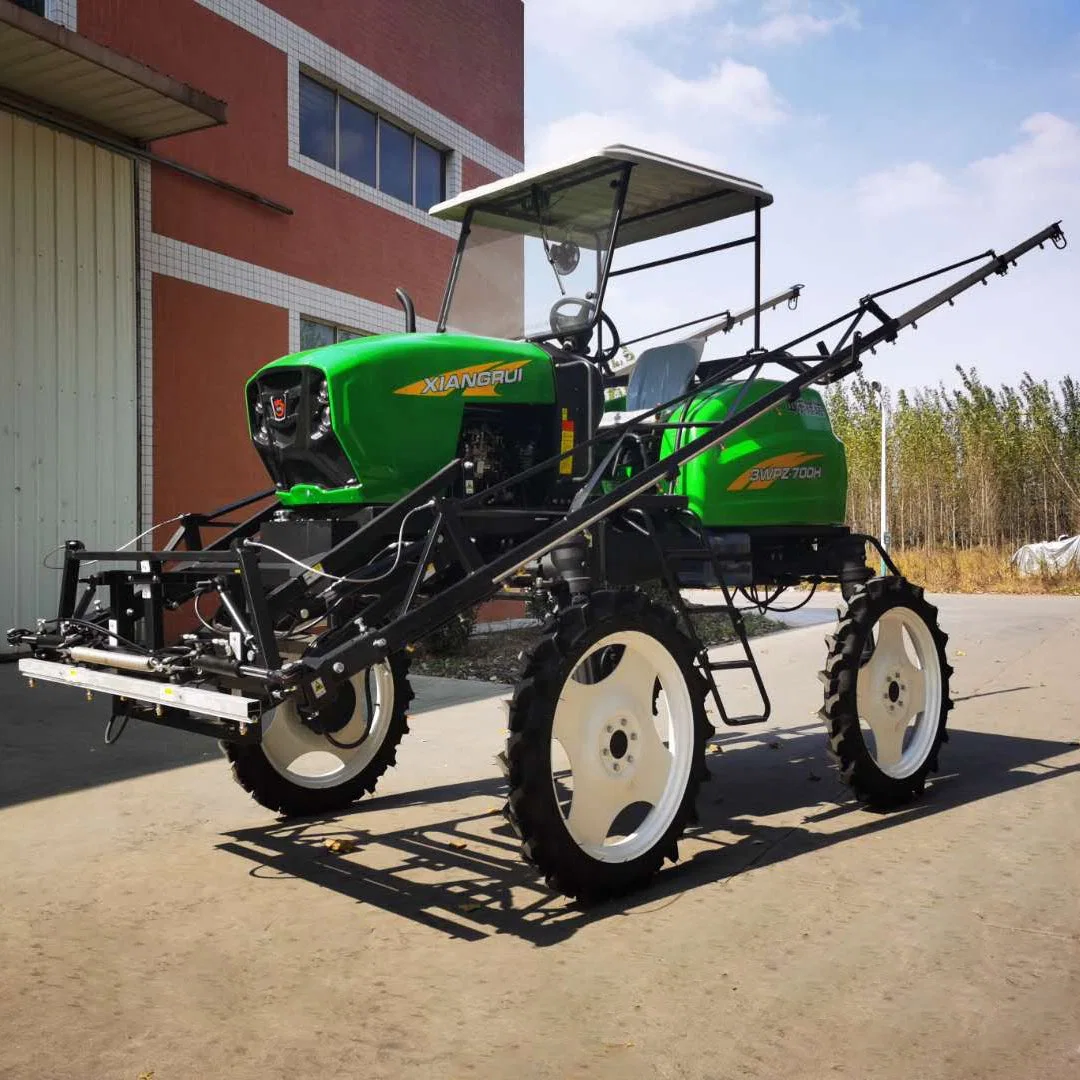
[{"x": 417, "y": 475}]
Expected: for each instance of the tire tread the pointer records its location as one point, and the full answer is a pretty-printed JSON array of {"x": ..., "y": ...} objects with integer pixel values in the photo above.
[{"x": 251, "y": 768}]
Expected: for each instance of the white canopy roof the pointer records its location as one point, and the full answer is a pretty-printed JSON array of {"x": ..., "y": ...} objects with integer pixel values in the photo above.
[{"x": 665, "y": 196}]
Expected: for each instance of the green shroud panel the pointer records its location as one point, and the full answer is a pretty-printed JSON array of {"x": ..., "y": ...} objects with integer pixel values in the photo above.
[{"x": 786, "y": 468}]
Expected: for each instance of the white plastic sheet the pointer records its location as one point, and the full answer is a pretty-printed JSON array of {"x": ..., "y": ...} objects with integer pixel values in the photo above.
[{"x": 1055, "y": 556}]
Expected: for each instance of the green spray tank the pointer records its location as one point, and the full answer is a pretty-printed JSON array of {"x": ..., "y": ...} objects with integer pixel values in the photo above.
[{"x": 785, "y": 468}]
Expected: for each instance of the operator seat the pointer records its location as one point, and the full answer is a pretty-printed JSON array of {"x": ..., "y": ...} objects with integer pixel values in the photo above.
[{"x": 663, "y": 372}]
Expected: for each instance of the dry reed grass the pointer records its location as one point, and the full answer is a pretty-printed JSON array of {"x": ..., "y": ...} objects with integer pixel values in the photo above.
[{"x": 978, "y": 570}]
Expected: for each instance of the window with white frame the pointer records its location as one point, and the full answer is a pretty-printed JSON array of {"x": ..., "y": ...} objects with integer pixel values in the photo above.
[
  {"x": 57, "y": 11},
  {"x": 314, "y": 333},
  {"x": 362, "y": 143}
]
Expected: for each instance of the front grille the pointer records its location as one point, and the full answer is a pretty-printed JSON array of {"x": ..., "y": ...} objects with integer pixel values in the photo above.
[{"x": 290, "y": 425}]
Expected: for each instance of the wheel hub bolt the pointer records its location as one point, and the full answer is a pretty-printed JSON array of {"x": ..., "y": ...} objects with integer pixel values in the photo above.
[
  {"x": 615, "y": 766},
  {"x": 608, "y": 728},
  {"x": 606, "y": 752},
  {"x": 633, "y": 736}
]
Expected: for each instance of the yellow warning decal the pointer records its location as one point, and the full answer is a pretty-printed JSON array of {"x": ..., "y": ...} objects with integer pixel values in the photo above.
[{"x": 566, "y": 465}]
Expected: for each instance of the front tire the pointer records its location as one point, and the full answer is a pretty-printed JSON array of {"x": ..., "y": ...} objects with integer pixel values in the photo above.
[
  {"x": 607, "y": 745},
  {"x": 298, "y": 772},
  {"x": 886, "y": 692}
]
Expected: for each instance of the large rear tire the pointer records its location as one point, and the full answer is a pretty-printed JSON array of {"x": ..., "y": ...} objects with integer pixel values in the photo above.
[
  {"x": 886, "y": 692},
  {"x": 299, "y": 772},
  {"x": 607, "y": 745}
]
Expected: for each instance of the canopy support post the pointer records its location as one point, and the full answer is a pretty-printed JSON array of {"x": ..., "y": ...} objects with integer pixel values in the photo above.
[{"x": 757, "y": 274}]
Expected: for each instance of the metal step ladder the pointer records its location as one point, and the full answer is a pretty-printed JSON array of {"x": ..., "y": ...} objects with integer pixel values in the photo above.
[
  {"x": 710, "y": 556},
  {"x": 709, "y": 666}
]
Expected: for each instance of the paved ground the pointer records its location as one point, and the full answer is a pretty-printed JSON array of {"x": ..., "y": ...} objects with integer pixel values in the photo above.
[{"x": 156, "y": 920}]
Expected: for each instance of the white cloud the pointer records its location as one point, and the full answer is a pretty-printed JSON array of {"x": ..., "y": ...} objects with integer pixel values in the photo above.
[
  {"x": 903, "y": 189},
  {"x": 785, "y": 25},
  {"x": 917, "y": 216},
  {"x": 734, "y": 90},
  {"x": 583, "y": 132},
  {"x": 841, "y": 237},
  {"x": 1041, "y": 169},
  {"x": 1044, "y": 164},
  {"x": 633, "y": 96},
  {"x": 634, "y": 100},
  {"x": 567, "y": 17}
]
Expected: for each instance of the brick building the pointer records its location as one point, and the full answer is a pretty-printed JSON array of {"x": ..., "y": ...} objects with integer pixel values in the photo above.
[{"x": 189, "y": 188}]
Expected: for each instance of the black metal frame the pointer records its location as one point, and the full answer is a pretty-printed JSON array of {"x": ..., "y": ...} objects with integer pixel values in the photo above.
[
  {"x": 482, "y": 580},
  {"x": 365, "y": 625}
]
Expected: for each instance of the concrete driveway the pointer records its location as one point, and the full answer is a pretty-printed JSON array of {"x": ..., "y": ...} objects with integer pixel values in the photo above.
[{"x": 156, "y": 920}]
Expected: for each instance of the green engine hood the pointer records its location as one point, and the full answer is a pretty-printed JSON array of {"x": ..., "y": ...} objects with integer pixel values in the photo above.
[{"x": 395, "y": 409}]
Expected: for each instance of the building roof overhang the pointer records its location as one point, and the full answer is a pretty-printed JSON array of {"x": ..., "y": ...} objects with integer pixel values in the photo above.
[{"x": 45, "y": 67}]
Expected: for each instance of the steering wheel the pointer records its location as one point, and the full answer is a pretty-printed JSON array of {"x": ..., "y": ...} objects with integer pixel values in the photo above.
[{"x": 576, "y": 336}]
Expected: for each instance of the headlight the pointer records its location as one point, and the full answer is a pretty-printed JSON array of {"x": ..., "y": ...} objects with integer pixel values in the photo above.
[{"x": 322, "y": 425}]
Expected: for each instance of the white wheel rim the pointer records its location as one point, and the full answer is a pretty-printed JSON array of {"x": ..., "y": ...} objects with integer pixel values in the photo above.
[
  {"x": 310, "y": 760},
  {"x": 898, "y": 693},
  {"x": 648, "y": 756}
]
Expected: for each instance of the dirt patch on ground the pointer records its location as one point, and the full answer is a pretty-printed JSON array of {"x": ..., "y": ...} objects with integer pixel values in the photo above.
[{"x": 497, "y": 656}]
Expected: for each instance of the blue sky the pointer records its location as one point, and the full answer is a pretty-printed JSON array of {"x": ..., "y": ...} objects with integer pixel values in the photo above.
[{"x": 895, "y": 135}]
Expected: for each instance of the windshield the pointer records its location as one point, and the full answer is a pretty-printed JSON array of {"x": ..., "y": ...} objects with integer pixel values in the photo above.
[{"x": 532, "y": 263}]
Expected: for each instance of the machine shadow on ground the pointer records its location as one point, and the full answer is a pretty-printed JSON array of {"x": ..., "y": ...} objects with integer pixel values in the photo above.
[
  {"x": 460, "y": 871},
  {"x": 52, "y": 742},
  {"x": 39, "y": 721}
]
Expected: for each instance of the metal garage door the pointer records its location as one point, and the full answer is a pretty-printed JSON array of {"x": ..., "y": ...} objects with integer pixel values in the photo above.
[{"x": 67, "y": 357}]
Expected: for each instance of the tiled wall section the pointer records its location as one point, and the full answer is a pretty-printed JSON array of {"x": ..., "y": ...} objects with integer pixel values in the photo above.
[
  {"x": 299, "y": 297},
  {"x": 305, "y": 48},
  {"x": 165, "y": 256},
  {"x": 145, "y": 317}
]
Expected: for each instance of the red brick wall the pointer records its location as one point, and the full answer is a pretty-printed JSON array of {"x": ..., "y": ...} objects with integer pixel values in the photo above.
[
  {"x": 464, "y": 58},
  {"x": 473, "y": 175},
  {"x": 206, "y": 345},
  {"x": 333, "y": 238}
]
